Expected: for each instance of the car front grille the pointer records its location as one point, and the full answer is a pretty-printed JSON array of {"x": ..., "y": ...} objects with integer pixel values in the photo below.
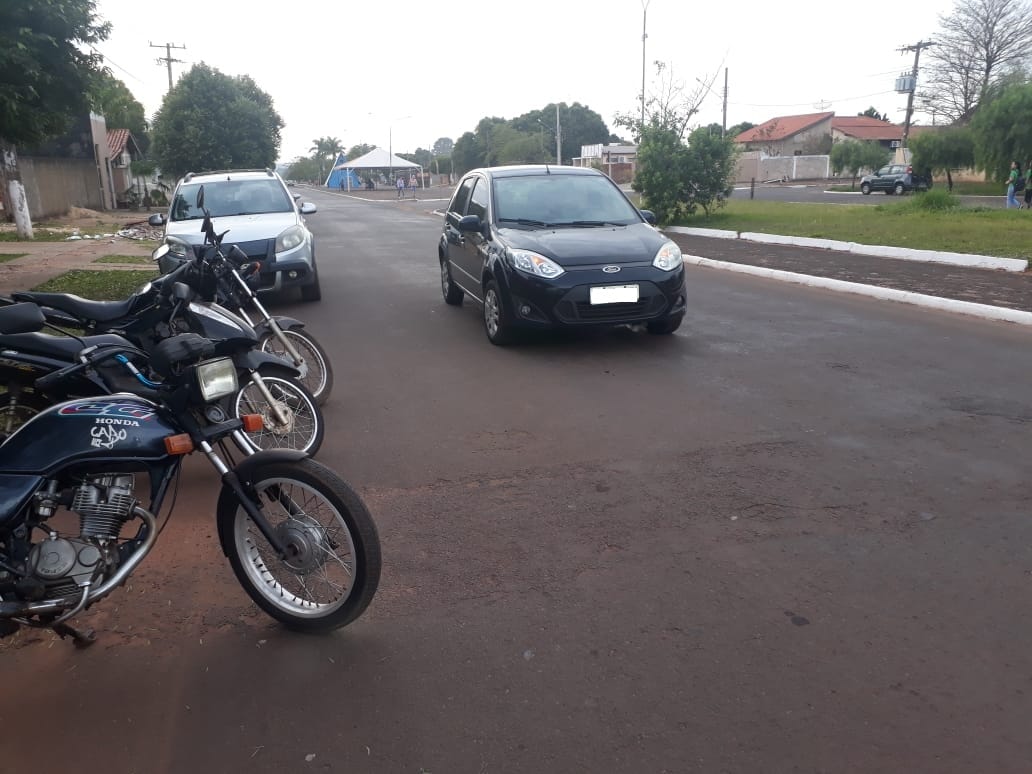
[{"x": 572, "y": 311}]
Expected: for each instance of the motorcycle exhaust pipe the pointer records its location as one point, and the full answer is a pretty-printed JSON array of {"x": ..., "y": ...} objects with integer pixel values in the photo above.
[{"x": 18, "y": 609}]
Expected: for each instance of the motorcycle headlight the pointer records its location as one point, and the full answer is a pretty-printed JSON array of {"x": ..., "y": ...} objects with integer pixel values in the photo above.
[
  {"x": 178, "y": 247},
  {"x": 533, "y": 263},
  {"x": 290, "y": 239},
  {"x": 171, "y": 254},
  {"x": 668, "y": 258},
  {"x": 216, "y": 378}
]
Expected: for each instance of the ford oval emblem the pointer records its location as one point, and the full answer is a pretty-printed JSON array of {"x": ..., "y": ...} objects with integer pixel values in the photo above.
[{"x": 610, "y": 269}]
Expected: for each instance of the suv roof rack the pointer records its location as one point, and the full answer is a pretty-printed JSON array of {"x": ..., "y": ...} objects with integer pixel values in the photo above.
[{"x": 191, "y": 175}]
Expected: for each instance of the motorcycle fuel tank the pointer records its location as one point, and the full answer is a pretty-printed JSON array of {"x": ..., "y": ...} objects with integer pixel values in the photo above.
[{"x": 106, "y": 428}]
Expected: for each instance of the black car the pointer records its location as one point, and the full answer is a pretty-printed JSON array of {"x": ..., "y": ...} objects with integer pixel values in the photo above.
[
  {"x": 895, "y": 179},
  {"x": 548, "y": 246}
]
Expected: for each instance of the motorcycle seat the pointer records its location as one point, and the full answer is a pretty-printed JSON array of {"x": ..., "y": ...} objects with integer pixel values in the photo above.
[
  {"x": 57, "y": 347},
  {"x": 78, "y": 307}
]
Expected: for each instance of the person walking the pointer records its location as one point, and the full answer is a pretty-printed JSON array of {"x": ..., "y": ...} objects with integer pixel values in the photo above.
[
  {"x": 1012, "y": 185},
  {"x": 1028, "y": 185},
  {"x": 400, "y": 183}
]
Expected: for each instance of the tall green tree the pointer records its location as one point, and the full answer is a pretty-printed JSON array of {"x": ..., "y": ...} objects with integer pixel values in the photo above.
[
  {"x": 443, "y": 146},
  {"x": 214, "y": 121},
  {"x": 1002, "y": 131},
  {"x": 852, "y": 156},
  {"x": 325, "y": 151},
  {"x": 359, "y": 150},
  {"x": 45, "y": 73},
  {"x": 872, "y": 113},
  {"x": 121, "y": 110},
  {"x": 306, "y": 169},
  {"x": 944, "y": 150}
]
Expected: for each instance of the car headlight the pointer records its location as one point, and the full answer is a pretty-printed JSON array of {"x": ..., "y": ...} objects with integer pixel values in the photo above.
[
  {"x": 668, "y": 258},
  {"x": 289, "y": 239},
  {"x": 535, "y": 264},
  {"x": 216, "y": 378}
]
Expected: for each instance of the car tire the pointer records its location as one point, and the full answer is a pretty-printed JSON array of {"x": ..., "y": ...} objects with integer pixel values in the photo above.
[
  {"x": 312, "y": 292},
  {"x": 899, "y": 190},
  {"x": 865, "y": 189},
  {"x": 452, "y": 293},
  {"x": 497, "y": 323},
  {"x": 664, "y": 326}
]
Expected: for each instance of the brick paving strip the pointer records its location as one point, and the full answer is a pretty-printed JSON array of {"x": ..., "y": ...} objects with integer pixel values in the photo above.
[{"x": 1009, "y": 290}]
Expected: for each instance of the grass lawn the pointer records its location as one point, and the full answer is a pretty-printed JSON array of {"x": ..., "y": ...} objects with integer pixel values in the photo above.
[
  {"x": 110, "y": 285},
  {"x": 4, "y": 257},
  {"x": 141, "y": 259},
  {"x": 1003, "y": 233},
  {"x": 39, "y": 235}
]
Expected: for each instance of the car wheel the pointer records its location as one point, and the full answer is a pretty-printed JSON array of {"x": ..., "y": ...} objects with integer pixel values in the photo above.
[
  {"x": 451, "y": 292},
  {"x": 899, "y": 189},
  {"x": 312, "y": 292},
  {"x": 497, "y": 323},
  {"x": 865, "y": 189},
  {"x": 665, "y": 325}
]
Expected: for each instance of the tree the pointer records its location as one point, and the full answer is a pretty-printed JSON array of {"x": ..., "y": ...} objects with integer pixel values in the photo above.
[
  {"x": 306, "y": 169},
  {"x": 943, "y": 151},
  {"x": 709, "y": 169},
  {"x": 214, "y": 121},
  {"x": 1002, "y": 132},
  {"x": 359, "y": 150},
  {"x": 443, "y": 146},
  {"x": 111, "y": 98},
  {"x": 853, "y": 156},
  {"x": 671, "y": 105},
  {"x": 872, "y": 113},
  {"x": 978, "y": 45},
  {"x": 44, "y": 75},
  {"x": 737, "y": 129},
  {"x": 323, "y": 150}
]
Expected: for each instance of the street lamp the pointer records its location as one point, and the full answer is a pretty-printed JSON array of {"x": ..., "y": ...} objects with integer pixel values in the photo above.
[
  {"x": 390, "y": 146},
  {"x": 644, "y": 14}
]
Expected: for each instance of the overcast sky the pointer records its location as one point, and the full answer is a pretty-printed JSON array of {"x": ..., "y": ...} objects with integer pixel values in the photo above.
[{"x": 414, "y": 71}]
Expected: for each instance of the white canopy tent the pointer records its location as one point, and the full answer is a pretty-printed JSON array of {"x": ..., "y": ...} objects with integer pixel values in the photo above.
[{"x": 378, "y": 158}]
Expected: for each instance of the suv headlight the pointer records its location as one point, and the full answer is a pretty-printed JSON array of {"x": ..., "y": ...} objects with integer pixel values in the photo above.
[
  {"x": 289, "y": 239},
  {"x": 533, "y": 263},
  {"x": 216, "y": 378},
  {"x": 668, "y": 258}
]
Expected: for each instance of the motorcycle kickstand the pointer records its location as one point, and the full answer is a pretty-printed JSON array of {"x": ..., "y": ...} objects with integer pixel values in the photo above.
[{"x": 80, "y": 638}]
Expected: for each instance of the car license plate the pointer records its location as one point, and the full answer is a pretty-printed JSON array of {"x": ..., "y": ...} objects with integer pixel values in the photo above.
[{"x": 613, "y": 294}]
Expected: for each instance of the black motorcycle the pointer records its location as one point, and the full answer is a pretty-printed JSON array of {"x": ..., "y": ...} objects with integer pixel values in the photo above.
[
  {"x": 299, "y": 539},
  {"x": 234, "y": 289},
  {"x": 165, "y": 307}
]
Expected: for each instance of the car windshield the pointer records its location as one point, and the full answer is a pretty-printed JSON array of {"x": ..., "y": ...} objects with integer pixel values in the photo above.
[
  {"x": 224, "y": 198},
  {"x": 560, "y": 200}
]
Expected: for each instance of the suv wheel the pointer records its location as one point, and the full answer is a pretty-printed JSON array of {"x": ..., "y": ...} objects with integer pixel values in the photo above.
[
  {"x": 865, "y": 189},
  {"x": 497, "y": 324},
  {"x": 312, "y": 292},
  {"x": 451, "y": 292},
  {"x": 899, "y": 189}
]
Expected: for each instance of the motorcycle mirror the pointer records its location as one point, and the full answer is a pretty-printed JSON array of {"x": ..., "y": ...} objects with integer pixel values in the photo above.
[
  {"x": 200, "y": 197},
  {"x": 161, "y": 252},
  {"x": 182, "y": 292}
]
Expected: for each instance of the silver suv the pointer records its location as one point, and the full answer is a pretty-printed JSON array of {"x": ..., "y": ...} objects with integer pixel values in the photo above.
[{"x": 262, "y": 218}]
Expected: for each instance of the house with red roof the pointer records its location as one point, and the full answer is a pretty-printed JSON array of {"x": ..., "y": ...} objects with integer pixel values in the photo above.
[
  {"x": 803, "y": 135},
  {"x": 865, "y": 129},
  {"x": 122, "y": 150}
]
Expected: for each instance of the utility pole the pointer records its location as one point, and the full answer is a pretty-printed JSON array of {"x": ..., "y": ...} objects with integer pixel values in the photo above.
[
  {"x": 644, "y": 15},
  {"x": 167, "y": 60},
  {"x": 723, "y": 123},
  {"x": 558, "y": 138},
  {"x": 916, "y": 48}
]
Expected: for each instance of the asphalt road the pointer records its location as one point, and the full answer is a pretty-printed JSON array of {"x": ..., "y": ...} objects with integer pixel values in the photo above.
[
  {"x": 818, "y": 193},
  {"x": 793, "y": 537}
]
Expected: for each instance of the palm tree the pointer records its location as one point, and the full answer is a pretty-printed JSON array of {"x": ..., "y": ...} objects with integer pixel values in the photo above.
[{"x": 323, "y": 148}]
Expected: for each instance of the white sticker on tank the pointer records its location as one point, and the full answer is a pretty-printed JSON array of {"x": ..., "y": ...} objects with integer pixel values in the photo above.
[{"x": 106, "y": 436}]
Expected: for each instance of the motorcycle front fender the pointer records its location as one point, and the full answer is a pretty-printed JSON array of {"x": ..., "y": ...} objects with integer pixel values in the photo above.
[
  {"x": 285, "y": 323},
  {"x": 254, "y": 359}
]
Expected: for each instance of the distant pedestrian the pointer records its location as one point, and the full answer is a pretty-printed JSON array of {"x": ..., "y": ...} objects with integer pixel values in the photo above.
[
  {"x": 401, "y": 186},
  {"x": 1012, "y": 185},
  {"x": 1028, "y": 185},
  {"x": 412, "y": 185}
]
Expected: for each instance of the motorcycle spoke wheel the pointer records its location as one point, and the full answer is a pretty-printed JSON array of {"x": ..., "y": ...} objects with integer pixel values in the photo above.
[
  {"x": 331, "y": 568},
  {"x": 300, "y": 431},
  {"x": 318, "y": 377},
  {"x": 15, "y": 411}
]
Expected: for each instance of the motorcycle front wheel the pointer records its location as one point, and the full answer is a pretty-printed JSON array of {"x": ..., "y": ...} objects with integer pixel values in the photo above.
[
  {"x": 319, "y": 373},
  {"x": 332, "y": 567},
  {"x": 302, "y": 426}
]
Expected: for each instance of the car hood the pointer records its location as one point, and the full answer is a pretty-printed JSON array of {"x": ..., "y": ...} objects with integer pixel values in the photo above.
[
  {"x": 573, "y": 246},
  {"x": 242, "y": 228}
]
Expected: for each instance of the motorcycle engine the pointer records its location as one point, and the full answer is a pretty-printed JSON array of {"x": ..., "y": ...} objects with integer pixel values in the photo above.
[{"x": 104, "y": 503}]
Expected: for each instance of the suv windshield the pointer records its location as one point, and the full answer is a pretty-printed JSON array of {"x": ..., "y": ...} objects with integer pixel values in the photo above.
[
  {"x": 225, "y": 198},
  {"x": 561, "y": 200}
]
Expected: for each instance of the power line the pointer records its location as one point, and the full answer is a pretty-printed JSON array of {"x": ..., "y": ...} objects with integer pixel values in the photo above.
[
  {"x": 808, "y": 104},
  {"x": 109, "y": 60}
]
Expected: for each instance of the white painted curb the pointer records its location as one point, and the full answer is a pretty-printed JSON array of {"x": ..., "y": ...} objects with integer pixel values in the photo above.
[
  {"x": 984, "y": 311},
  {"x": 878, "y": 251}
]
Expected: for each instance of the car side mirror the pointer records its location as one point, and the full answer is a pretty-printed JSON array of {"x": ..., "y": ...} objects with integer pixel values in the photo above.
[
  {"x": 470, "y": 223},
  {"x": 157, "y": 219},
  {"x": 649, "y": 215},
  {"x": 307, "y": 208}
]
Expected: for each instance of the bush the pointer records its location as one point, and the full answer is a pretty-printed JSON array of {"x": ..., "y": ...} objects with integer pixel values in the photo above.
[{"x": 935, "y": 200}]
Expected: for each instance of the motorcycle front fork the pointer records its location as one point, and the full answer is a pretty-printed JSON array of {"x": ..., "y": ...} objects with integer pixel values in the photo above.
[{"x": 277, "y": 331}]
